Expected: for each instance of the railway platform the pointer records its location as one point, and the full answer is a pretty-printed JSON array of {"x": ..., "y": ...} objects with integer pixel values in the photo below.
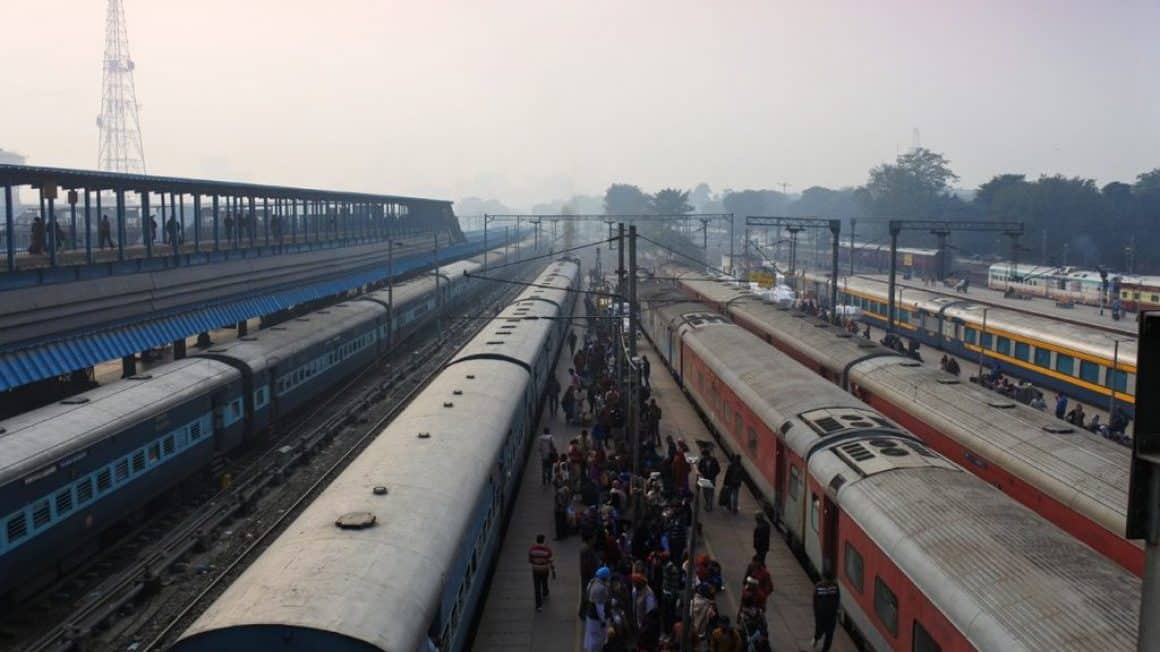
[{"x": 509, "y": 620}]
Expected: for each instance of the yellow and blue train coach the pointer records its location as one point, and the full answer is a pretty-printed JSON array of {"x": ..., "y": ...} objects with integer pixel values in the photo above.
[{"x": 1084, "y": 363}]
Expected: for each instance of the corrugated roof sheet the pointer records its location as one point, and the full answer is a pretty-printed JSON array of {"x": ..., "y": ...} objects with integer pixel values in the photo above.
[{"x": 51, "y": 359}]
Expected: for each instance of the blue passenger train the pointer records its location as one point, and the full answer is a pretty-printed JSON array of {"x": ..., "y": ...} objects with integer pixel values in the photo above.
[
  {"x": 395, "y": 553},
  {"x": 71, "y": 470}
]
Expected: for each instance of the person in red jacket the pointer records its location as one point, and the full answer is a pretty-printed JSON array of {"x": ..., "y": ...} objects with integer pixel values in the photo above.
[
  {"x": 543, "y": 564},
  {"x": 681, "y": 468}
]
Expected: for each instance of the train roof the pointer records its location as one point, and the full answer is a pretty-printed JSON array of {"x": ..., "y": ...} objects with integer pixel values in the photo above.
[
  {"x": 35, "y": 439},
  {"x": 770, "y": 382},
  {"x": 1002, "y": 575},
  {"x": 521, "y": 328},
  {"x": 280, "y": 341},
  {"x": 380, "y": 585},
  {"x": 885, "y": 248},
  {"x": 1076, "y": 468},
  {"x": 1086, "y": 472}
]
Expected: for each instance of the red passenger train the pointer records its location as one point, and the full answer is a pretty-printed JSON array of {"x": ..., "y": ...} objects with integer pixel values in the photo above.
[
  {"x": 928, "y": 557},
  {"x": 1075, "y": 479}
]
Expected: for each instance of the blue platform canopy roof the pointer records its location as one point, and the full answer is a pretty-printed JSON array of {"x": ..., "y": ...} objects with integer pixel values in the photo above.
[{"x": 61, "y": 357}]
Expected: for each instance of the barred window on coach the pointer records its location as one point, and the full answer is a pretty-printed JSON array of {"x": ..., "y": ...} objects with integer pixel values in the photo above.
[
  {"x": 854, "y": 566},
  {"x": 886, "y": 606}
]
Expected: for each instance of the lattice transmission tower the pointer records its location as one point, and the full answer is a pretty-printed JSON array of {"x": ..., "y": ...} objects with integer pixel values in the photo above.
[{"x": 121, "y": 148}]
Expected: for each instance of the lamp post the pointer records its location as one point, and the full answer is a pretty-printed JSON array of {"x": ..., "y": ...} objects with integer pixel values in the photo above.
[
  {"x": 1114, "y": 372},
  {"x": 691, "y": 573},
  {"x": 981, "y": 333}
]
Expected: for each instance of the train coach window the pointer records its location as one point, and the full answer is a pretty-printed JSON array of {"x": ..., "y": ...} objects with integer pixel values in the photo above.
[
  {"x": 1004, "y": 346},
  {"x": 41, "y": 514},
  {"x": 64, "y": 501},
  {"x": 923, "y": 641},
  {"x": 854, "y": 567},
  {"x": 17, "y": 527},
  {"x": 886, "y": 606},
  {"x": 986, "y": 340},
  {"x": 795, "y": 483},
  {"x": 1064, "y": 364},
  {"x": 1022, "y": 351},
  {"x": 1089, "y": 371},
  {"x": 121, "y": 470},
  {"x": 1117, "y": 378},
  {"x": 104, "y": 480},
  {"x": 752, "y": 439},
  {"x": 815, "y": 506},
  {"x": 84, "y": 490},
  {"x": 1043, "y": 358},
  {"x": 970, "y": 335}
]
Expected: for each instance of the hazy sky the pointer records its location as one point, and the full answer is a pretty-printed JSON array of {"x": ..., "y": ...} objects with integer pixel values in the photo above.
[{"x": 527, "y": 101}]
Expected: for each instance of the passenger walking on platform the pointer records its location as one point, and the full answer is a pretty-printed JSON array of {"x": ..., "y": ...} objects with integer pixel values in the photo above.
[
  {"x": 547, "y": 457},
  {"x": 761, "y": 538},
  {"x": 172, "y": 232},
  {"x": 543, "y": 564},
  {"x": 60, "y": 239},
  {"x": 645, "y": 371},
  {"x": 827, "y": 596},
  {"x": 553, "y": 389},
  {"x": 562, "y": 499},
  {"x": 646, "y": 613},
  {"x": 731, "y": 485},
  {"x": 708, "y": 467},
  {"x": 105, "y": 233},
  {"x": 673, "y": 581},
  {"x": 569, "y": 405},
  {"x": 571, "y": 343},
  {"x": 596, "y": 611},
  {"x": 681, "y": 468},
  {"x": 36, "y": 237},
  {"x": 153, "y": 228},
  {"x": 1060, "y": 406}
]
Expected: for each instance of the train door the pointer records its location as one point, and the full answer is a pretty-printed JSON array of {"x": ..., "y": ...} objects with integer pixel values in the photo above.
[
  {"x": 829, "y": 535},
  {"x": 811, "y": 534},
  {"x": 779, "y": 479}
]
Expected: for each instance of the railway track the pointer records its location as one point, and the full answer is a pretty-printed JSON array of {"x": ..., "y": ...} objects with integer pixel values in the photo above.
[{"x": 170, "y": 582}]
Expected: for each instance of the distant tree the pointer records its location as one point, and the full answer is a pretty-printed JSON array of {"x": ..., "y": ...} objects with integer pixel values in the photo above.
[
  {"x": 701, "y": 196},
  {"x": 625, "y": 199},
  {"x": 988, "y": 193},
  {"x": 1119, "y": 199},
  {"x": 1148, "y": 183},
  {"x": 743, "y": 203},
  {"x": 817, "y": 201},
  {"x": 671, "y": 201},
  {"x": 913, "y": 187}
]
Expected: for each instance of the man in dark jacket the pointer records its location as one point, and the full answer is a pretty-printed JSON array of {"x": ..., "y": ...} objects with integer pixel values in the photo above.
[
  {"x": 731, "y": 486},
  {"x": 709, "y": 467},
  {"x": 827, "y": 596},
  {"x": 761, "y": 537}
]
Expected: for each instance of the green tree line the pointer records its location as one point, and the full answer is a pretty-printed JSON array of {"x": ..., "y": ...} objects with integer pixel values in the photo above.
[{"x": 1067, "y": 220}]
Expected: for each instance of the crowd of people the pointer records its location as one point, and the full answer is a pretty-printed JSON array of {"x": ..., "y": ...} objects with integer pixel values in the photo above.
[
  {"x": 1024, "y": 392},
  {"x": 635, "y": 566}
]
